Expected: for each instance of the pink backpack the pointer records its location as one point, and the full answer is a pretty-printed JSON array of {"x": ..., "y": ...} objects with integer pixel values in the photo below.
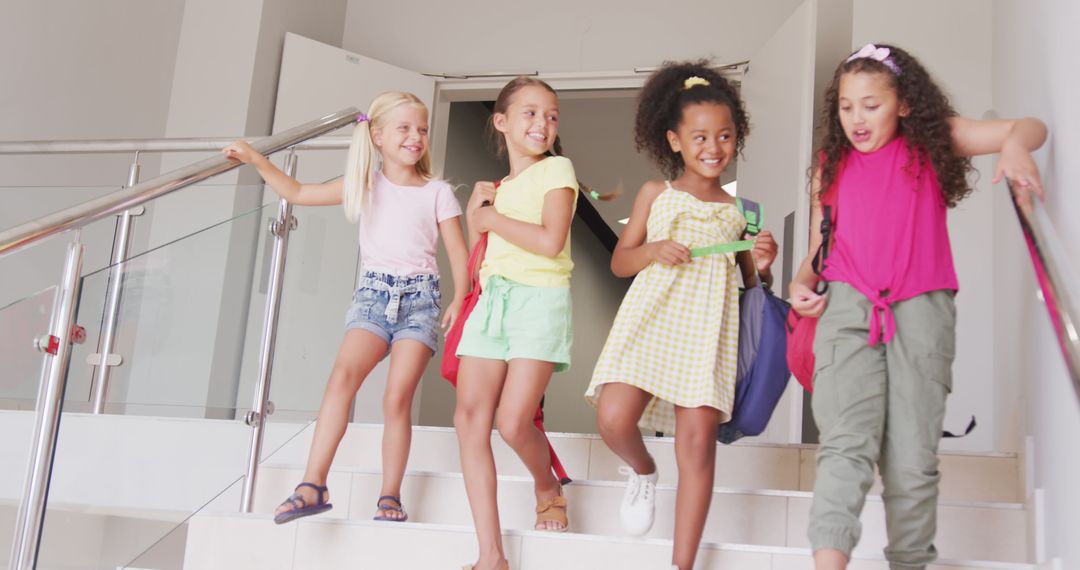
[{"x": 801, "y": 330}]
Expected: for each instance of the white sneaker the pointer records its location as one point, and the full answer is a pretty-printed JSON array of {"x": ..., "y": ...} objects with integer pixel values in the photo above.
[{"x": 639, "y": 503}]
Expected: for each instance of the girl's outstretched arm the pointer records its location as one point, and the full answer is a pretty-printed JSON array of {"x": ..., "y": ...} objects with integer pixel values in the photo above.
[
  {"x": 1014, "y": 139},
  {"x": 454, "y": 242},
  {"x": 547, "y": 238},
  {"x": 327, "y": 194},
  {"x": 632, "y": 254}
]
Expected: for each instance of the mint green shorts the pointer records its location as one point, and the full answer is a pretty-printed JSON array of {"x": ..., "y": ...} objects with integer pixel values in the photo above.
[{"x": 513, "y": 320}]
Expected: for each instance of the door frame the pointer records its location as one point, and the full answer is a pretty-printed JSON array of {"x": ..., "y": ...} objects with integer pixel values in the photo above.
[{"x": 452, "y": 90}]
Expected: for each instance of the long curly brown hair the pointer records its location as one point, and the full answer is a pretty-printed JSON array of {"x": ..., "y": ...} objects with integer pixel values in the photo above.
[
  {"x": 661, "y": 103},
  {"x": 926, "y": 126}
]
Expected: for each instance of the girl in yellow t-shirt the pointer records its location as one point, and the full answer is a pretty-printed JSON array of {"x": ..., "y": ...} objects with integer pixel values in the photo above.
[{"x": 520, "y": 331}]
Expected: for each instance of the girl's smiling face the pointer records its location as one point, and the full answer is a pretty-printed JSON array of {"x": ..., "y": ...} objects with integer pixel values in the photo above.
[
  {"x": 402, "y": 136},
  {"x": 869, "y": 109},
  {"x": 706, "y": 138},
  {"x": 531, "y": 121}
]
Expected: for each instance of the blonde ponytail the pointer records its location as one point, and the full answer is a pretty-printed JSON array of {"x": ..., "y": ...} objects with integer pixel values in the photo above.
[
  {"x": 360, "y": 164},
  {"x": 359, "y": 170}
]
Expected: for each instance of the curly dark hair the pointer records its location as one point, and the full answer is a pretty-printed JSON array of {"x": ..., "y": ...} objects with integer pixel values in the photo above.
[
  {"x": 663, "y": 98},
  {"x": 926, "y": 126}
]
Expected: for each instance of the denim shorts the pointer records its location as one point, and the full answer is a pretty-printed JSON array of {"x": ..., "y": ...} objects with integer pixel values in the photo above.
[{"x": 397, "y": 307}]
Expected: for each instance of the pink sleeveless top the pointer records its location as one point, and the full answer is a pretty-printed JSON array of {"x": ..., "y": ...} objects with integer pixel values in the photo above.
[{"x": 891, "y": 241}]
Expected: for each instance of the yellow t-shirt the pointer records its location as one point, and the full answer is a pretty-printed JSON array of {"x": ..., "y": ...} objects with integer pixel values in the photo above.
[{"x": 523, "y": 199}]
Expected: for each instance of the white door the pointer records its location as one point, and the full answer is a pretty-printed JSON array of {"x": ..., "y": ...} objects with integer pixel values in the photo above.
[
  {"x": 778, "y": 89},
  {"x": 317, "y": 79}
]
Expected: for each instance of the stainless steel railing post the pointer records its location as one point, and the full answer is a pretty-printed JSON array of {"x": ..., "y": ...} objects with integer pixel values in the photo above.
[
  {"x": 256, "y": 418},
  {"x": 104, "y": 360},
  {"x": 57, "y": 346}
]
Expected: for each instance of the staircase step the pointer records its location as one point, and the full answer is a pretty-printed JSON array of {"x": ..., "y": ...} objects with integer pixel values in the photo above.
[
  {"x": 991, "y": 477},
  {"x": 756, "y": 517},
  {"x": 241, "y": 542}
]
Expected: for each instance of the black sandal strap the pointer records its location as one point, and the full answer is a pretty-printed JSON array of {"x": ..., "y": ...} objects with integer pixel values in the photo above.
[
  {"x": 399, "y": 508},
  {"x": 321, "y": 490}
]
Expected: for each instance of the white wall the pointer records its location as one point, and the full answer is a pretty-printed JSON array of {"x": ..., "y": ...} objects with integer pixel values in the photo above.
[
  {"x": 778, "y": 91},
  {"x": 1034, "y": 74},
  {"x": 75, "y": 76},
  {"x": 600, "y": 35},
  {"x": 955, "y": 45}
]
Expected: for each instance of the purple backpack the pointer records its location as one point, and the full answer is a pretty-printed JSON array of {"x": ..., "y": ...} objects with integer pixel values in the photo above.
[{"x": 762, "y": 372}]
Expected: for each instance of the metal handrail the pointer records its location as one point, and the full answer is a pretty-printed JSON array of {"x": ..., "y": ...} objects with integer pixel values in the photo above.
[
  {"x": 57, "y": 343},
  {"x": 80, "y": 215},
  {"x": 1051, "y": 274},
  {"x": 127, "y": 146}
]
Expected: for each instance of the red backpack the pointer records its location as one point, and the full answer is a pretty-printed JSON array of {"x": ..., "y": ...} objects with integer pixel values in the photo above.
[{"x": 801, "y": 330}]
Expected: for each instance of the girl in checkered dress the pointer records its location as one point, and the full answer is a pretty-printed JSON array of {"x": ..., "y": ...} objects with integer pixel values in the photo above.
[{"x": 669, "y": 362}]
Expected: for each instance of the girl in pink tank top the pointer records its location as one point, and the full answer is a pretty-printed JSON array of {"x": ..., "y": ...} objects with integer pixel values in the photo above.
[{"x": 894, "y": 158}]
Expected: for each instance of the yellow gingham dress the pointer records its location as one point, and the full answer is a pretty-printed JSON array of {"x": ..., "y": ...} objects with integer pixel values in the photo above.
[{"x": 676, "y": 334}]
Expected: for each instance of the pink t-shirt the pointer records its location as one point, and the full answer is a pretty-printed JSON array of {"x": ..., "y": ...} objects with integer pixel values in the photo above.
[
  {"x": 891, "y": 241},
  {"x": 399, "y": 226}
]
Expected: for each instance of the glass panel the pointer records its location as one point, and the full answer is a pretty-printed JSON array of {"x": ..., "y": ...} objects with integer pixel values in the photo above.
[
  {"x": 179, "y": 331},
  {"x": 20, "y": 323},
  {"x": 320, "y": 275},
  {"x": 172, "y": 442},
  {"x": 124, "y": 487}
]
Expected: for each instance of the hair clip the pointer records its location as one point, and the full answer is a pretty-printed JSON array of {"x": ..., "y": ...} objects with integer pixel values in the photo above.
[
  {"x": 362, "y": 117},
  {"x": 693, "y": 81},
  {"x": 879, "y": 54}
]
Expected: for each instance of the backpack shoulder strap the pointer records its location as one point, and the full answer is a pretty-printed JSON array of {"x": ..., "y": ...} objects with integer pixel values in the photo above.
[{"x": 753, "y": 213}]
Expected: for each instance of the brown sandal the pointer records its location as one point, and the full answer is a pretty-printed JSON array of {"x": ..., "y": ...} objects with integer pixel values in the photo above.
[{"x": 552, "y": 510}]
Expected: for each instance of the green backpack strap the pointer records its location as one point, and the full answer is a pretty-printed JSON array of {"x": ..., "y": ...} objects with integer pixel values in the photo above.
[{"x": 754, "y": 215}]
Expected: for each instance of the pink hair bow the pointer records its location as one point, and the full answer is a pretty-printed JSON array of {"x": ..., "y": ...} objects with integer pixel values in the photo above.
[{"x": 870, "y": 51}]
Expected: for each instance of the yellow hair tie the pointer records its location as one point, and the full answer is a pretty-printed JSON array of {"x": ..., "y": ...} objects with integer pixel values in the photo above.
[{"x": 694, "y": 80}]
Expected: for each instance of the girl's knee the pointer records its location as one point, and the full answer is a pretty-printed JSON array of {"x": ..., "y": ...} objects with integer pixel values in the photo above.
[
  {"x": 343, "y": 381},
  {"x": 514, "y": 430},
  {"x": 696, "y": 446},
  {"x": 472, "y": 420},
  {"x": 613, "y": 422},
  {"x": 397, "y": 405}
]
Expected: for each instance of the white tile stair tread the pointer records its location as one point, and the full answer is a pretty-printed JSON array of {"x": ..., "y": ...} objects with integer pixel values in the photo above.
[
  {"x": 239, "y": 542},
  {"x": 965, "y": 476},
  {"x": 763, "y": 516}
]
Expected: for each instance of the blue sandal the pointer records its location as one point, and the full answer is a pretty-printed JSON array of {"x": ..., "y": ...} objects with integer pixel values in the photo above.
[
  {"x": 383, "y": 507},
  {"x": 300, "y": 507}
]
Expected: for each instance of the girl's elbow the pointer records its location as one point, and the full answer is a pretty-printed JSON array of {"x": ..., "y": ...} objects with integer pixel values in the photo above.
[{"x": 552, "y": 247}]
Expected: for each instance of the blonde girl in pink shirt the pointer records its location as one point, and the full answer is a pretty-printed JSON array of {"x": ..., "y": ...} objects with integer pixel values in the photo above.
[{"x": 403, "y": 210}]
